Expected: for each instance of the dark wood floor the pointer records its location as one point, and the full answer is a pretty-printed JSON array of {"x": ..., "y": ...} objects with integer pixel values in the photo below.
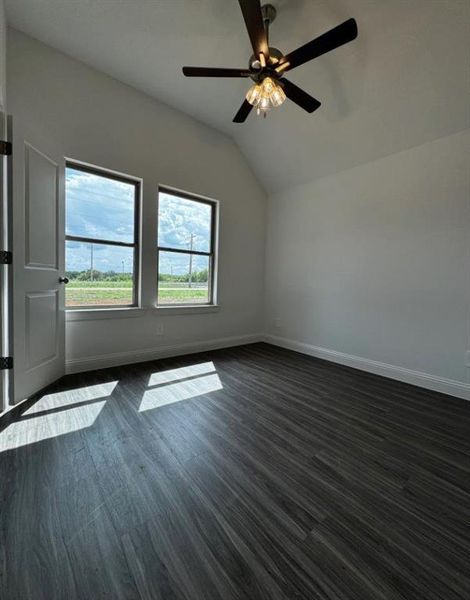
[{"x": 246, "y": 473}]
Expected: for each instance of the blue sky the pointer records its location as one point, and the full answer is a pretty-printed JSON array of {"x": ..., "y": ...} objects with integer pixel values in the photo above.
[{"x": 102, "y": 208}]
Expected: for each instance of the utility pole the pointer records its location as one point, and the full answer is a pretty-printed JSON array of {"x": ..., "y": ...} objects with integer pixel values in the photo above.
[
  {"x": 191, "y": 260},
  {"x": 91, "y": 262}
]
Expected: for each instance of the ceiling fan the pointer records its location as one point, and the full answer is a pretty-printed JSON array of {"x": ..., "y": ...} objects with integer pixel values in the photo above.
[{"x": 268, "y": 65}]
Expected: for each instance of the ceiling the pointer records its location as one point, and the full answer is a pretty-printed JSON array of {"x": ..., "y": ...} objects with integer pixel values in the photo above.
[{"x": 403, "y": 82}]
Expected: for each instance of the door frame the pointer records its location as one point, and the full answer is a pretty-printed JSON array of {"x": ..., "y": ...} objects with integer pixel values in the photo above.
[{"x": 6, "y": 270}]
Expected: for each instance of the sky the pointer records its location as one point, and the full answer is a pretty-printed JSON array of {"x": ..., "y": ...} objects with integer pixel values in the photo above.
[{"x": 97, "y": 207}]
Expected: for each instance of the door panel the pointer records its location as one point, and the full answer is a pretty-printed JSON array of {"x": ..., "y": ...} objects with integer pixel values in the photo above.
[
  {"x": 41, "y": 328},
  {"x": 38, "y": 262},
  {"x": 41, "y": 209}
]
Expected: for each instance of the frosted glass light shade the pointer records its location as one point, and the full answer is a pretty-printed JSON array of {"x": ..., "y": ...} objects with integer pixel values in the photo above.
[{"x": 265, "y": 95}]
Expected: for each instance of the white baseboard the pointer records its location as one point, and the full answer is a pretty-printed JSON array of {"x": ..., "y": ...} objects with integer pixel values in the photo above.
[
  {"x": 102, "y": 361},
  {"x": 425, "y": 380}
]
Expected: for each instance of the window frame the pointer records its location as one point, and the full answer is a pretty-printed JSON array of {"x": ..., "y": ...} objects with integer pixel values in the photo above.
[
  {"x": 212, "y": 254},
  {"x": 107, "y": 174}
]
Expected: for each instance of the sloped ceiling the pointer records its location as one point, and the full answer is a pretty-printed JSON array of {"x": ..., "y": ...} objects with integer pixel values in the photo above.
[{"x": 403, "y": 82}]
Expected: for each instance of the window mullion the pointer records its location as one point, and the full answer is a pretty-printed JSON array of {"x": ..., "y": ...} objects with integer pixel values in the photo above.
[{"x": 87, "y": 240}]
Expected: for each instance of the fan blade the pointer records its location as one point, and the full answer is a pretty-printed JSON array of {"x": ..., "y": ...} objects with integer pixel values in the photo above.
[
  {"x": 251, "y": 10},
  {"x": 243, "y": 112},
  {"x": 214, "y": 72},
  {"x": 336, "y": 37},
  {"x": 294, "y": 93}
]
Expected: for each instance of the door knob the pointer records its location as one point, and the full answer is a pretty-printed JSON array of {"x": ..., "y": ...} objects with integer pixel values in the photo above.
[{"x": 63, "y": 280}]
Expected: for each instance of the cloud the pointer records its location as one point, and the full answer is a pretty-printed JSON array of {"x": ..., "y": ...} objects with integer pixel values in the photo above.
[
  {"x": 102, "y": 208},
  {"x": 178, "y": 264},
  {"x": 99, "y": 207},
  {"x": 78, "y": 257},
  {"x": 180, "y": 218}
]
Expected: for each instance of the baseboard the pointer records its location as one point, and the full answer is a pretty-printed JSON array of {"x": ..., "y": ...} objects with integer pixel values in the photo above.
[
  {"x": 425, "y": 380},
  {"x": 102, "y": 361}
]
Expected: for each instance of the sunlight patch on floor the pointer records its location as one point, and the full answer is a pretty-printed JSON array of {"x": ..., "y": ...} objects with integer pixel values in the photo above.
[
  {"x": 181, "y": 373},
  {"x": 43, "y": 427},
  {"x": 73, "y": 396},
  {"x": 182, "y": 390}
]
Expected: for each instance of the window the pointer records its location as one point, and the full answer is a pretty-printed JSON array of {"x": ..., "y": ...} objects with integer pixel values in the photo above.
[
  {"x": 186, "y": 249},
  {"x": 101, "y": 252}
]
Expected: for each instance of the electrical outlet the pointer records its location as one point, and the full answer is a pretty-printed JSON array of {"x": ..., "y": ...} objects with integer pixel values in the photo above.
[
  {"x": 159, "y": 330},
  {"x": 467, "y": 358},
  {"x": 277, "y": 322}
]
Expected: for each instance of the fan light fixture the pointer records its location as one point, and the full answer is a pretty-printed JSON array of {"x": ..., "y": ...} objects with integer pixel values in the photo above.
[
  {"x": 268, "y": 66},
  {"x": 265, "y": 95}
]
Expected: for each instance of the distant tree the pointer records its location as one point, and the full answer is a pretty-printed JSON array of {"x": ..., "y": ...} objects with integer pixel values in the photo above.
[
  {"x": 197, "y": 276},
  {"x": 98, "y": 275},
  {"x": 87, "y": 275},
  {"x": 72, "y": 274}
]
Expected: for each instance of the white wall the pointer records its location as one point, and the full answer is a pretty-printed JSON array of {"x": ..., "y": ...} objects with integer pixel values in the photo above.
[
  {"x": 373, "y": 262},
  {"x": 97, "y": 119},
  {"x": 369, "y": 266}
]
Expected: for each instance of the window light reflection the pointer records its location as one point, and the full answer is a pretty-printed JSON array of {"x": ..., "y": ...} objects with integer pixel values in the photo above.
[
  {"x": 195, "y": 380},
  {"x": 181, "y": 373},
  {"x": 73, "y": 396},
  {"x": 47, "y": 426}
]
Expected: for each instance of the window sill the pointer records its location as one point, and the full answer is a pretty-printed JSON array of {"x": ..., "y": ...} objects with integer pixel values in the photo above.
[
  {"x": 91, "y": 314},
  {"x": 187, "y": 310}
]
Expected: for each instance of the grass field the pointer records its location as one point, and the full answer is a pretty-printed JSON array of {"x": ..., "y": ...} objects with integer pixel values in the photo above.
[{"x": 90, "y": 293}]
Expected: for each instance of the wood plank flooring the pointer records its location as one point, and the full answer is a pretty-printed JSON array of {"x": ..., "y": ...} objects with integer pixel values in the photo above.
[{"x": 240, "y": 474}]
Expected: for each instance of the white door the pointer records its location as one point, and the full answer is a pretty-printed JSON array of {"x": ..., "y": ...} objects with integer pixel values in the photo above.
[{"x": 38, "y": 263}]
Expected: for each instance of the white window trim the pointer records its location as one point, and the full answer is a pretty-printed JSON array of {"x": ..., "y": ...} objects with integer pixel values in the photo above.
[
  {"x": 102, "y": 311},
  {"x": 91, "y": 313},
  {"x": 214, "y": 251}
]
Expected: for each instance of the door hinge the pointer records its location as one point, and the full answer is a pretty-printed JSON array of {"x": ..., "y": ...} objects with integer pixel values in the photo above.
[
  {"x": 6, "y": 362},
  {"x": 6, "y": 257},
  {"x": 5, "y": 148}
]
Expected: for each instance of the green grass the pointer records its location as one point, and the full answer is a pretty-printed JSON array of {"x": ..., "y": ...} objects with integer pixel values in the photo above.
[
  {"x": 97, "y": 296},
  {"x": 127, "y": 283},
  {"x": 182, "y": 296},
  {"x": 118, "y": 293},
  {"x": 76, "y": 283}
]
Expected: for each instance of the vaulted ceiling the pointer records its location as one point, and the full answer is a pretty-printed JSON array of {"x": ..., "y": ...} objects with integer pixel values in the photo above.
[{"x": 403, "y": 82}]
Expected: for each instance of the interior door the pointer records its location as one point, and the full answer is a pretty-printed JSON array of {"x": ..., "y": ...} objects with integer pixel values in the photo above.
[{"x": 38, "y": 262}]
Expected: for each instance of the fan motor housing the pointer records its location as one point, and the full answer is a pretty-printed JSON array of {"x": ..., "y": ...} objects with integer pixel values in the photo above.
[{"x": 258, "y": 72}]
